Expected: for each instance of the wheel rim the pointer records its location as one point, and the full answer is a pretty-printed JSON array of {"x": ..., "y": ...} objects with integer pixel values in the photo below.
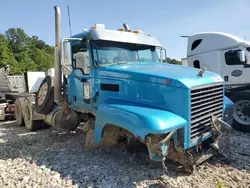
[
  {"x": 42, "y": 93},
  {"x": 242, "y": 112}
]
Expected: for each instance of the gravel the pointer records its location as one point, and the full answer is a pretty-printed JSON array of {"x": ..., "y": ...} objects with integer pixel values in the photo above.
[{"x": 48, "y": 158}]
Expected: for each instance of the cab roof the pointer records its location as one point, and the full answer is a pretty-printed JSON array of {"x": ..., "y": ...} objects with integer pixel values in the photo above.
[
  {"x": 210, "y": 41},
  {"x": 98, "y": 32}
]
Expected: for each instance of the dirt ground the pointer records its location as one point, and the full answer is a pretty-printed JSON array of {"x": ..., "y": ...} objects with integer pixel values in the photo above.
[{"x": 47, "y": 158}]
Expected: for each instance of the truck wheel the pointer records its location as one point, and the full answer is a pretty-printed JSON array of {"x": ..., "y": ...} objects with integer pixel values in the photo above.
[
  {"x": 18, "y": 112},
  {"x": 241, "y": 113},
  {"x": 109, "y": 137},
  {"x": 44, "y": 101},
  {"x": 30, "y": 124}
]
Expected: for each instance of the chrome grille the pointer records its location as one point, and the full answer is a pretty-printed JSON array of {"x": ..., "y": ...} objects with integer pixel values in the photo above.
[{"x": 205, "y": 100}]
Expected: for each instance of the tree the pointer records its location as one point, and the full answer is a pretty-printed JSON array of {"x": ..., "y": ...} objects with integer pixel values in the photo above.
[
  {"x": 6, "y": 55},
  {"x": 41, "y": 53},
  {"x": 18, "y": 40},
  {"x": 43, "y": 60},
  {"x": 172, "y": 61},
  {"x": 24, "y": 53}
]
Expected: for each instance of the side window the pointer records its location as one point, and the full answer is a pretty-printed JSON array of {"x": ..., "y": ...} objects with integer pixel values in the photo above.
[
  {"x": 197, "y": 64},
  {"x": 80, "y": 55},
  {"x": 195, "y": 44},
  {"x": 231, "y": 58}
]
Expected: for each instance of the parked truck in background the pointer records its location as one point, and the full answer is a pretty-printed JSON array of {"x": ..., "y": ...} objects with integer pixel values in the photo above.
[
  {"x": 15, "y": 86},
  {"x": 6, "y": 88},
  {"x": 114, "y": 81},
  {"x": 228, "y": 56}
]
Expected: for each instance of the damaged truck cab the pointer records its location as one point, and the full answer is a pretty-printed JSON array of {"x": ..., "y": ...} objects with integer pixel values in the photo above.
[
  {"x": 116, "y": 81},
  {"x": 118, "y": 77}
]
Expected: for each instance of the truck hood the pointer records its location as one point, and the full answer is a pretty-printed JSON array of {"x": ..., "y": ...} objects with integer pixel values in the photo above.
[{"x": 161, "y": 73}]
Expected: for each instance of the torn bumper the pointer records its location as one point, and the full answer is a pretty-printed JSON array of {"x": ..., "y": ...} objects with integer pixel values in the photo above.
[
  {"x": 159, "y": 151},
  {"x": 221, "y": 132}
]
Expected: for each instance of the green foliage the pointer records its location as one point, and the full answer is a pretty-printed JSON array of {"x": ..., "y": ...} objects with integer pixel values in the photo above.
[
  {"x": 23, "y": 53},
  {"x": 172, "y": 61}
]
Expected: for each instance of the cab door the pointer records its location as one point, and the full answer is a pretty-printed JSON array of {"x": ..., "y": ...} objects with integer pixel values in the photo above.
[
  {"x": 233, "y": 71},
  {"x": 81, "y": 79}
]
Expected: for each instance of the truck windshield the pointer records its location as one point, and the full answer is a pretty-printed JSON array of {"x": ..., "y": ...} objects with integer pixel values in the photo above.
[{"x": 108, "y": 53}]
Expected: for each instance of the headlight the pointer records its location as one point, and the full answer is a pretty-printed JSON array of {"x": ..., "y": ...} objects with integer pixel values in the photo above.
[{"x": 228, "y": 114}]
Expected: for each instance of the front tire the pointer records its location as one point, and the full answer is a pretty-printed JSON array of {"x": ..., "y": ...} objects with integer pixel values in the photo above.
[{"x": 241, "y": 111}]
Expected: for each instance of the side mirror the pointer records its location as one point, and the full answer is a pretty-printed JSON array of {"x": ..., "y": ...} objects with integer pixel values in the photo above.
[
  {"x": 241, "y": 56},
  {"x": 66, "y": 58},
  {"x": 82, "y": 61}
]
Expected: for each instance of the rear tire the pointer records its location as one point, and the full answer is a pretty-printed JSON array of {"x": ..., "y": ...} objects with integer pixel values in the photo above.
[
  {"x": 18, "y": 112},
  {"x": 44, "y": 101},
  {"x": 241, "y": 114},
  {"x": 31, "y": 124}
]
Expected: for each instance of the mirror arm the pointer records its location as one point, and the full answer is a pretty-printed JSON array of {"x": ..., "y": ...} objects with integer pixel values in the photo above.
[
  {"x": 165, "y": 54},
  {"x": 163, "y": 49}
]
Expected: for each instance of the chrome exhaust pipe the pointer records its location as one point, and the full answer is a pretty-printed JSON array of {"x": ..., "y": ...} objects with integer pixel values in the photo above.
[{"x": 58, "y": 71}]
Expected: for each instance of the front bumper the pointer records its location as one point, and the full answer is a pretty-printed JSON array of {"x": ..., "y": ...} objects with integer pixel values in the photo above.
[
  {"x": 221, "y": 132},
  {"x": 218, "y": 143}
]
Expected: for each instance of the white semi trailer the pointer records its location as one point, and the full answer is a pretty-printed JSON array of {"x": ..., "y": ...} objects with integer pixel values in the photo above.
[
  {"x": 228, "y": 56},
  {"x": 16, "y": 86}
]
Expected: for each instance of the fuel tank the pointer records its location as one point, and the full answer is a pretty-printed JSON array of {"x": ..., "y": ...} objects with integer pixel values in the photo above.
[{"x": 62, "y": 119}]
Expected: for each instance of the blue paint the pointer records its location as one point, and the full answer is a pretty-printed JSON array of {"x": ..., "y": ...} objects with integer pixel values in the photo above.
[
  {"x": 180, "y": 76},
  {"x": 138, "y": 120},
  {"x": 227, "y": 103},
  {"x": 230, "y": 122},
  {"x": 153, "y": 97}
]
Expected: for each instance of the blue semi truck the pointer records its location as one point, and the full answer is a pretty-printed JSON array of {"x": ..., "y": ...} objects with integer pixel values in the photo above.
[{"x": 115, "y": 82}]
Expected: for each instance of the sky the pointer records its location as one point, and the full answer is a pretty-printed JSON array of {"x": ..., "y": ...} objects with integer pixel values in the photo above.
[{"x": 165, "y": 19}]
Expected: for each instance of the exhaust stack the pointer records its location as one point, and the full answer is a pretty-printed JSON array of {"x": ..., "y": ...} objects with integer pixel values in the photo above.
[{"x": 58, "y": 72}]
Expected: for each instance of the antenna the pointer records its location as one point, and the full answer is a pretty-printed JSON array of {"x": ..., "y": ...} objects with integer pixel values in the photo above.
[{"x": 69, "y": 21}]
